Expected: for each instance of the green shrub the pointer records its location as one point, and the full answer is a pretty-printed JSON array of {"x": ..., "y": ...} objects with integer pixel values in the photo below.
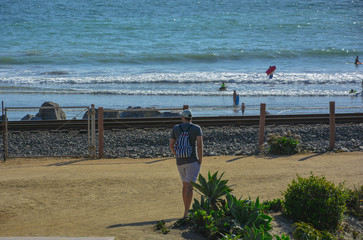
[
  {"x": 282, "y": 145},
  {"x": 204, "y": 223},
  {"x": 250, "y": 236},
  {"x": 219, "y": 213},
  {"x": 248, "y": 213},
  {"x": 316, "y": 201},
  {"x": 160, "y": 225},
  {"x": 231, "y": 237},
  {"x": 256, "y": 234},
  {"x": 355, "y": 197},
  {"x": 274, "y": 205},
  {"x": 305, "y": 231},
  {"x": 283, "y": 237}
]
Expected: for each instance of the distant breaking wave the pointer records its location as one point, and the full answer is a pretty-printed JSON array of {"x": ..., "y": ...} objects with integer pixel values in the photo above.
[
  {"x": 59, "y": 78},
  {"x": 214, "y": 55},
  {"x": 249, "y": 93}
]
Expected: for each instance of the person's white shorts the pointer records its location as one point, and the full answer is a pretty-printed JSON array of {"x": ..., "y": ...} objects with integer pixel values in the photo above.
[{"x": 189, "y": 172}]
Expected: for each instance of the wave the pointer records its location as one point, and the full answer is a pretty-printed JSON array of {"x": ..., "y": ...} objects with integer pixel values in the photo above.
[
  {"x": 139, "y": 92},
  {"x": 64, "y": 78},
  {"x": 210, "y": 55}
]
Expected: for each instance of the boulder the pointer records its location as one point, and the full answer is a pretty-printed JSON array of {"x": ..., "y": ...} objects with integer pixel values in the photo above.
[
  {"x": 51, "y": 113},
  {"x": 27, "y": 117},
  {"x": 140, "y": 114},
  {"x": 108, "y": 114},
  {"x": 169, "y": 114}
]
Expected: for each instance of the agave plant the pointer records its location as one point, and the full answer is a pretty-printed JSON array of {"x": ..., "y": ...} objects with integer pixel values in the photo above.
[
  {"x": 248, "y": 213},
  {"x": 212, "y": 190},
  {"x": 254, "y": 233}
]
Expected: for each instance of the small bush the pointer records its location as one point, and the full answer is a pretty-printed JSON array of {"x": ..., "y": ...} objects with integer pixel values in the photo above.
[
  {"x": 220, "y": 214},
  {"x": 316, "y": 201},
  {"x": 305, "y": 231},
  {"x": 274, "y": 205},
  {"x": 355, "y": 197},
  {"x": 282, "y": 145},
  {"x": 160, "y": 225}
]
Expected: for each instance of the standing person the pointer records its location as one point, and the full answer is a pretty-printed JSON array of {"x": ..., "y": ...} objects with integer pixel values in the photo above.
[
  {"x": 187, "y": 136},
  {"x": 356, "y": 62},
  {"x": 270, "y": 71}
]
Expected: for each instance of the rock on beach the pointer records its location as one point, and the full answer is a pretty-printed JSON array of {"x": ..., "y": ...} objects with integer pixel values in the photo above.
[{"x": 154, "y": 142}]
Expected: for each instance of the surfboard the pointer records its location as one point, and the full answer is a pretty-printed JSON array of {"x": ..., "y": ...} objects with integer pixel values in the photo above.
[
  {"x": 237, "y": 101},
  {"x": 222, "y": 88},
  {"x": 270, "y": 70},
  {"x": 356, "y": 94}
]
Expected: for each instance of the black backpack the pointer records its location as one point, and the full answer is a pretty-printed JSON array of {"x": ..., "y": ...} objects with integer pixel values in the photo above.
[{"x": 182, "y": 146}]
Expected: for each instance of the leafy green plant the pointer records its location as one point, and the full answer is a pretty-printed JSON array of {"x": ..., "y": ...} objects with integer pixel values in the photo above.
[
  {"x": 315, "y": 200},
  {"x": 254, "y": 233},
  {"x": 355, "y": 197},
  {"x": 209, "y": 224},
  {"x": 306, "y": 231},
  {"x": 160, "y": 225},
  {"x": 213, "y": 190},
  {"x": 274, "y": 205},
  {"x": 249, "y": 214},
  {"x": 251, "y": 235},
  {"x": 283, "y": 237},
  {"x": 231, "y": 237},
  {"x": 218, "y": 213},
  {"x": 282, "y": 145}
]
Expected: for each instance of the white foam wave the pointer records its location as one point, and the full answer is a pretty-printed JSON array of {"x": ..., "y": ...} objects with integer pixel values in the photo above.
[
  {"x": 189, "y": 78},
  {"x": 247, "y": 93}
]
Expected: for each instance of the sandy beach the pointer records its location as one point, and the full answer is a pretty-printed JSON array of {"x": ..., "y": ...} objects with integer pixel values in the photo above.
[{"x": 124, "y": 198}]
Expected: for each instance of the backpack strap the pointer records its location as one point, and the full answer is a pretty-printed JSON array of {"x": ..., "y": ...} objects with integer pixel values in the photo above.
[{"x": 186, "y": 130}]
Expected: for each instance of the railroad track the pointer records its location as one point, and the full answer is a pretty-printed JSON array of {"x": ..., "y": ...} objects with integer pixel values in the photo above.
[{"x": 202, "y": 121}]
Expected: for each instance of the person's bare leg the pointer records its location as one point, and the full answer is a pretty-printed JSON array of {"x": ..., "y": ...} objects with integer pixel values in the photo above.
[{"x": 187, "y": 196}]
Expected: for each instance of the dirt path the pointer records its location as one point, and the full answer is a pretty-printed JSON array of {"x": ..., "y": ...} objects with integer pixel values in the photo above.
[{"x": 124, "y": 197}]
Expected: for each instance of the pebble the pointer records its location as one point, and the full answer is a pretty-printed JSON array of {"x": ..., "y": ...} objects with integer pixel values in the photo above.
[{"x": 154, "y": 143}]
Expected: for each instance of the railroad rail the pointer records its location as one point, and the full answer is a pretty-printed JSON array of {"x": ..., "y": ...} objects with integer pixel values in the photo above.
[{"x": 121, "y": 123}]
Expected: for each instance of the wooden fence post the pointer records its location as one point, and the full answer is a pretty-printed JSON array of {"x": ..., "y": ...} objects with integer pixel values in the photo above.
[
  {"x": 5, "y": 132},
  {"x": 100, "y": 132},
  {"x": 93, "y": 131},
  {"x": 261, "y": 135},
  {"x": 332, "y": 125}
]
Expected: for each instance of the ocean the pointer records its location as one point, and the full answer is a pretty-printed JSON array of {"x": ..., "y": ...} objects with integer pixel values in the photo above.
[{"x": 166, "y": 54}]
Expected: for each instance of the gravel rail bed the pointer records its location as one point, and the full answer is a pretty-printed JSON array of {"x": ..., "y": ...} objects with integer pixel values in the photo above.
[{"x": 154, "y": 142}]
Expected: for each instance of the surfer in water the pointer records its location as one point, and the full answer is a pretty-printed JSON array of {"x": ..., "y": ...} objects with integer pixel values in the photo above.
[
  {"x": 352, "y": 91},
  {"x": 223, "y": 87},
  {"x": 357, "y": 61}
]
